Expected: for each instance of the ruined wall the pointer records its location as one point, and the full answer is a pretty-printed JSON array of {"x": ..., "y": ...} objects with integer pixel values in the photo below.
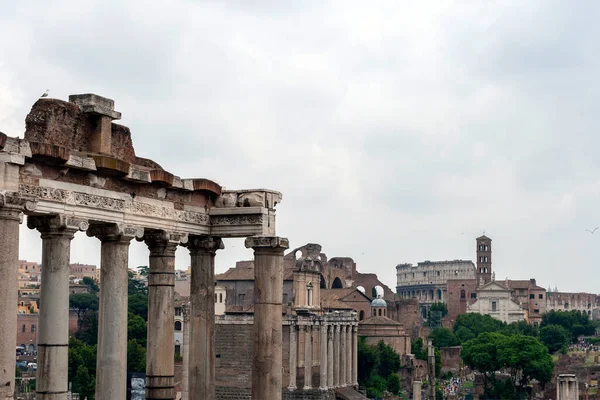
[
  {"x": 457, "y": 299},
  {"x": 406, "y": 312},
  {"x": 233, "y": 362},
  {"x": 451, "y": 359}
]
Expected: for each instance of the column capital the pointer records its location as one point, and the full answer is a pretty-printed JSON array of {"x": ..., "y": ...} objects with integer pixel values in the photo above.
[
  {"x": 57, "y": 224},
  {"x": 115, "y": 232},
  {"x": 204, "y": 244},
  {"x": 163, "y": 243},
  {"x": 267, "y": 243},
  {"x": 13, "y": 201}
]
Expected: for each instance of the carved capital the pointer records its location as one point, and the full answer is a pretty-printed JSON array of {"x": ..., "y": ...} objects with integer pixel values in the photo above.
[
  {"x": 16, "y": 201},
  {"x": 162, "y": 243},
  {"x": 204, "y": 244},
  {"x": 267, "y": 243},
  {"x": 57, "y": 224},
  {"x": 115, "y": 232}
]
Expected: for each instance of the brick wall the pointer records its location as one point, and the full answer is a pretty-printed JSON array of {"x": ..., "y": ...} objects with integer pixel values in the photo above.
[{"x": 233, "y": 350}]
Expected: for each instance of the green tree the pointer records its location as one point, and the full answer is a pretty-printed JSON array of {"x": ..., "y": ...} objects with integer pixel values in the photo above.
[
  {"x": 481, "y": 354},
  {"x": 136, "y": 357},
  {"x": 526, "y": 358},
  {"x": 393, "y": 384},
  {"x": 576, "y": 323},
  {"x": 138, "y": 305},
  {"x": 135, "y": 286},
  {"x": 473, "y": 324},
  {"x": 375, "y": 386},
  {"x": 143, "y": 270},
  {"x": 136, "y": 328},
  {"x": 417, "y": 348},
  {"x": 439, "y": 306},
  {"x": 554, "y": 337},
  {"x": 368, "y": 360},
  {"x": 84, "y": 384},
  {"x": 83, "y": 302},
  {"x": 389, "y": 360},
  {"x": 443, "y": 337},
  {"x": 91, "y": 284}
]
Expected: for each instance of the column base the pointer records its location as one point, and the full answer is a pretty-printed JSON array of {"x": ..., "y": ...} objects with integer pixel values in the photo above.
[
  {"x": 307, "y": 388},
  {"x": 291, "y": 388},
  {"x": 323, "y": 388}
]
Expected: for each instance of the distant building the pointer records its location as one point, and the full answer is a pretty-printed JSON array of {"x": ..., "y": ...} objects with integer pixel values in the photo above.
[
  {"x": 80, "y": 271},
  {"x": 495, "y": 300},
  {"x": 586, "y": 303}
]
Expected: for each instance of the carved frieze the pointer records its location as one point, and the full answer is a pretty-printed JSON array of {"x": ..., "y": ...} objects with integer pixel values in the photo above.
[
  {"x": 274, "y": 242},
  {"x": 16, "y": 200},
  {"x": 236, "y": 219}
]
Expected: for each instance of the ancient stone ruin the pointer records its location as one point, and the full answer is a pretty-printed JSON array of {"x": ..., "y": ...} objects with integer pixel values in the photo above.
[{"x": 77, "y": 171}]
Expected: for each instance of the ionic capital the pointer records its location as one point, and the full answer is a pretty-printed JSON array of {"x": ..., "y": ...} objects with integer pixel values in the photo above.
[
  {"x": 115, "y": 232},
  {"x": 204, "y": 244},
  {"x": 57, "y": 224},
  {"x": 267, "y": 243},
  {"x": 163, "y": 243},
  {"x": 12, "y": 203}
]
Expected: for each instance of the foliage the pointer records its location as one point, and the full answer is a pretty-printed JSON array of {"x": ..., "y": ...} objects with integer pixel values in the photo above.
[
  {"x": 417, "y": 348},
  {"x": 393, "y": 384},
  {"x": 136, "y": 329},
  {"x": 143, "y": 270},
  {"x": 555, "y": 337},
  {"x": 439, "y": 306},
  {"x": 135, "y": 286},
  {"x": 576, "y": 323},
  {"x": 84, "y": 384},
  {"x": 138, "y": 305},
  {"x": 525, "y": 357},
  {"x": 83, "y": 302},
  {"x": 91, "y": 284},
  {"x": 81, "y": 354},
  {"x": 521, "y": 328},
  {"x": 378, "y": 368},
  {"x": 469, "y": 326},
  {"x": 443, "y": 337},
  {"x": 136, "y": 357}
]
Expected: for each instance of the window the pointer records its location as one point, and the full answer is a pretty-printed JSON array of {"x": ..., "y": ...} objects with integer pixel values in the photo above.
[
  {"x": 485, "y": 259},
  {"x": 566, "y": 305},
  {"x": 177, "y": 325},
  {"x": 32, "y": 328},
  {"x": 462, "y": 294},
  {"x": 494, "y": 306},
  {"x": 380, "y": 312},
  {"x": 178, "y": 349},
  {"x": 536, "y": 310},
  {"x": 532, "y": 296},
  {"x": 220, "y": 297},
  {"x": 438, "y": 273},
  {"x": 473, "y": 295},
  {"x": 23, "y": 328},
  {"x": 424, "y": 273},
  {"x": 178, "y": 311},
  {"x": 361, "y": 315},
  {"x": 540, "y": 296}
]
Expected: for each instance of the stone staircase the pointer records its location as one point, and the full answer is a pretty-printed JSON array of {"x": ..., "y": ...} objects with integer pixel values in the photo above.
[{"x": 347, "y": 393}]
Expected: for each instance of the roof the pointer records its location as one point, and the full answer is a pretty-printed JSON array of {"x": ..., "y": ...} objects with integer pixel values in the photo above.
[
  {"x": 333, "y": 298},
  {"x": 493, "y": 285},
  {"x": 483, "y": 237},
  {"x": 523, "y": 284},
  {"x": 246, "y": 273},
  {"x": 378, "y": 302},
  {"x": 378, "y": 320}
]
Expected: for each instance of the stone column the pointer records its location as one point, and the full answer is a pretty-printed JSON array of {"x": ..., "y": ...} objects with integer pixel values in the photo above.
[
  {"x": 354, "y": 355},
  {"x": 307, "y": 357},
  {"x": 349, "y": 355},
  {"x": 323, "y": 356},
  {"x": 202, "y": 316},
  {"x": 293, "y": 357},
  {"x": 53, "y": 326},
  {"x": 10, "y": 211},
  {"x": 342, "y": 369},
  {"x": 185, "y": 310},
  {"x": 268, "y": 293},
  {"x": 417, "y": 385},
  {"x": 160, "y": 352},
  {"x": 330, "y": 383},
  {"x": 111, "y": 362},
  {"x": 336, "y": 355}
]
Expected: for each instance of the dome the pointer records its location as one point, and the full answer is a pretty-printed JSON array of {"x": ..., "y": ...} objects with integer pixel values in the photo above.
[{"x": 378, "y": 302}]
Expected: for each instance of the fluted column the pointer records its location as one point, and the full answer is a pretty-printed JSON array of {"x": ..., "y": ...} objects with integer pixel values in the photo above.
[
  {"x": 330, "y": 383},
  {"x": 202, "y": 317},
  {"x": 349, "y": 355},
  {"x": 307, "y": 357},
  {"x": 323, "y": 357},
  {"x": 342, "y": 355},
  {"x": 336, "y": 355},
  {"x": 354, "y": 355},
  {"x": 268, "y": 293},
  {"x": 10, "y": 211},
  {"x": 53, "y": 330},
  {"x": 111, "y": 361},
  {"x": 185, "y": 388},
  {"x": 160, "y": 352},
  {"x": 293, "y": 357}
]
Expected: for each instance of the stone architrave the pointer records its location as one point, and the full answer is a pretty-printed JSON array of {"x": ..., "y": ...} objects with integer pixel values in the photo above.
[
  {"x": 323, "y": 361},
  {"x": 293, "y": 357},
  {"x": 308, "y": 357},
  {"x": 202, "y": 316},
  {"x": 57, "y": 231},
  {"x": 330, "y": 382},
  {"x": 160, "y": 352},
  {"x": 10, "y": 217},
  {"x": 111, "y": 363},
  {"x": 268, "y": 293}
]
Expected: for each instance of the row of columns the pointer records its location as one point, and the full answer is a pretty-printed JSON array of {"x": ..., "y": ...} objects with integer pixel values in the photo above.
[
  {"x": 338, "y": 364},
  {"x": 57, "y": 231}
]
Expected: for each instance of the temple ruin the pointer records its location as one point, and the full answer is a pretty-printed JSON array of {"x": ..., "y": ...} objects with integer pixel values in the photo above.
[{"x": 75, "y": 170}]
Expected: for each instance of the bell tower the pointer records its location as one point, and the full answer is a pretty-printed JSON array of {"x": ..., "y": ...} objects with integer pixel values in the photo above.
[{"x": 484, "y": 260}]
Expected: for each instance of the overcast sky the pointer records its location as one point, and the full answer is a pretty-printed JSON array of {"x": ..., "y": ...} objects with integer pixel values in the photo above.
[{"x": 397, "y": 131}]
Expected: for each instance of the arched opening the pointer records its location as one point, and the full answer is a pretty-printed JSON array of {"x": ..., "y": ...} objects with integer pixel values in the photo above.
[
  {"x": 380, "y": 312},
  {"x": 462, "y": 294},
  {"x": 374, "y": 293},
  {"x": 337, "y": 284},
  {"x": 361, "y": 315},
  {"x": 439, "y": 292},
  {"x": 220, "y": 297},
  {"x": 323, "y": 284},
  {"x": 177, "y": 325},
  {"x": 309, "y": 294}
]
